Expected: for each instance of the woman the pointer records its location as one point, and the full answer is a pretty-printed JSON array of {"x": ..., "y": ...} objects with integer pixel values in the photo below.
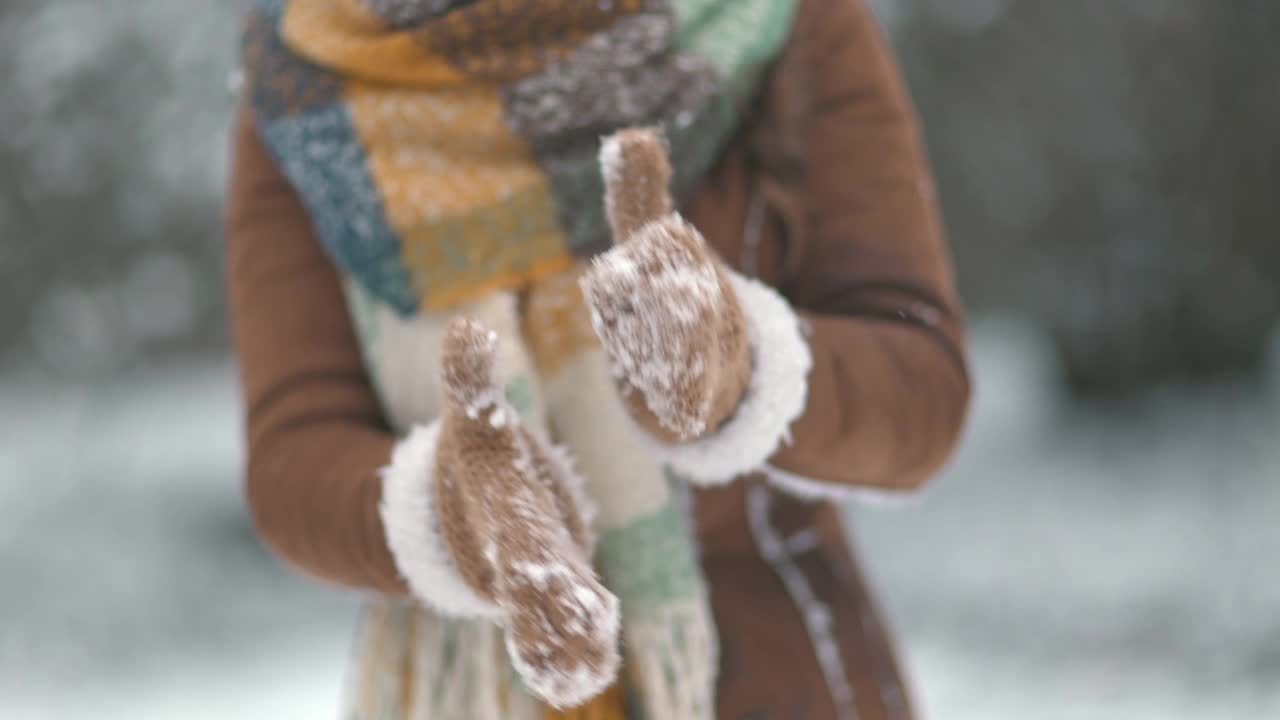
[{"x": 398, "y": 163}]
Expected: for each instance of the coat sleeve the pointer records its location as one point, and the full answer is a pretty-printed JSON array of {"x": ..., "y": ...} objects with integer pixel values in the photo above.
[
  {"x": 316, "y": 437},
  {"x": 888, "y": 387}
]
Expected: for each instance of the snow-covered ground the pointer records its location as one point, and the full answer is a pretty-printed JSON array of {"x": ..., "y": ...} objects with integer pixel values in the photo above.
[
  {"x": 1072, "y": 563},
  {"x": 1091, "y": 563}
]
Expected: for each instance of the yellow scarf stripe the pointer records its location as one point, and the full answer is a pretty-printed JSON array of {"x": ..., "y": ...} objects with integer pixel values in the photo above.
[
  {"x": 344, "y": 36},
  {"x": 473, "y": 211},
  {"x": 556, "y": 323}
]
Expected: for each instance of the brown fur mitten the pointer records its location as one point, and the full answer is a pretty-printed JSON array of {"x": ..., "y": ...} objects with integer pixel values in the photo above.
[
  {"x": 516, "y": 529},
  {"x": 661, "y": 301}
]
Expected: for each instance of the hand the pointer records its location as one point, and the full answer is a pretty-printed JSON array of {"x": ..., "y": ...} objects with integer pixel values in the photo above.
[
  {"x": 661, "y": 302},
  {"x": 517, "y": 533}
]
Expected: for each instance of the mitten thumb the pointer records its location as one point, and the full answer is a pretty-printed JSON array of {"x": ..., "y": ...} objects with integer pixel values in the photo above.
[
  {"x": 637, "y": 176},
  {"x": 467, "y": 361}
]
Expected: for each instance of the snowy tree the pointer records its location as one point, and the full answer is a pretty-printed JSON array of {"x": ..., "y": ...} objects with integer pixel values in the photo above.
[
  {"x": 111, "y": 163},
  {"x": 1109, "y": 166}
]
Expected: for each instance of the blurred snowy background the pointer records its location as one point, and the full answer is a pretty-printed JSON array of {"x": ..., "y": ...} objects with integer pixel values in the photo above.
[{"x": 1104, "y": 546}]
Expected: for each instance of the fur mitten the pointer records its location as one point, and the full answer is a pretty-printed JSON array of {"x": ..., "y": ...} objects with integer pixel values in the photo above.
[
  {"x": 661, "y": 301},
  {"x": 517, "y": 530}
]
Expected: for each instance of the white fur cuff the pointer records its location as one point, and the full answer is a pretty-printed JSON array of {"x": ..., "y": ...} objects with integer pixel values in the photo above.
[
  {"x": 409, "y": 518},
  {"x": 775, "y": 397}
]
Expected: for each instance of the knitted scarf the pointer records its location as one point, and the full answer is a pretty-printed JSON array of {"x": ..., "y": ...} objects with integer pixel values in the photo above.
[
  {"x": 446, "y": 152},
  {"x": 456, "y": 156}
]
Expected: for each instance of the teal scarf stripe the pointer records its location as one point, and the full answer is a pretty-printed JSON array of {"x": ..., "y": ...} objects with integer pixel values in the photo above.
[
  {"x": 739, "y": 38},
  {"x": 322, "y": 157},
  {"x": 659, "y": 563},
  {"x": 309, "y": 131}
]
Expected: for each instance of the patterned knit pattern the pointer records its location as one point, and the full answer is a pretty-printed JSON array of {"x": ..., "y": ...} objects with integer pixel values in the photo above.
[{"x": 448, "y": 149}]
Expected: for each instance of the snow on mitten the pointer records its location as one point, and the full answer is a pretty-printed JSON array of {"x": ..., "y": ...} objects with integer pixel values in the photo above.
[
  {"x": 661, "y": 302},
  {"x": 517, "y": 532}
]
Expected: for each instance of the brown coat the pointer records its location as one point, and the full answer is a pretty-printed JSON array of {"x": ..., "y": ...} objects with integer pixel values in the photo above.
[{"x": 826, "y": 196}]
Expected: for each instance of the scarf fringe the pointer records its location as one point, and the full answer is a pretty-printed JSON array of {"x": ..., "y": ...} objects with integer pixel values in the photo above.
[
  {"x": 416, "y": 665},
  {"x": 673, "y": 659}
]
